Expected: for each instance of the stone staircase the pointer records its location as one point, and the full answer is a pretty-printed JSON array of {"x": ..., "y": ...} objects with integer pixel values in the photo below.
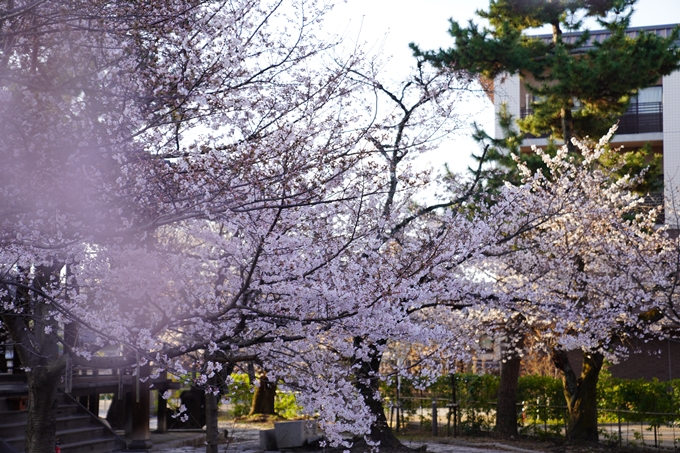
[{"x": 78, "y": 430}]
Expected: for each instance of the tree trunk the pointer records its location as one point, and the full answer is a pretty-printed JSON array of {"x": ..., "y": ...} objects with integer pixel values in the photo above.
[
  {"x": 568, "y": 129},
  {"x": 581, "y": 395},
  {"x": 41, "y": 426},
  {"x": 39, "y": 352},
  {"x": 264, "y": 398},
  {"x": 211, "y": 428},
  {"x": 212, "y": 406},
  {"x": 367, "y": 382},
  {"x": 565, "y": 113},
  {"x": 506, "y": 410}
]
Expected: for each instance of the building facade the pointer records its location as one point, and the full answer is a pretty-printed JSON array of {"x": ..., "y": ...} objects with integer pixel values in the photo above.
[{"x": 653, "y": 117}]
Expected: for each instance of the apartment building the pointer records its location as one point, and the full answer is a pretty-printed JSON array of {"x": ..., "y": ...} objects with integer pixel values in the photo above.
[{"x": 653, "y": 116}]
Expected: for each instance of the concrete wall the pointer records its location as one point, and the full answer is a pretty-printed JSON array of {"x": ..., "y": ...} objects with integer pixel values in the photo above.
[
  {"x": 655, "y": 359},
  {"x": 506, "y": 90},
  {"x": 671, "y": 147}
]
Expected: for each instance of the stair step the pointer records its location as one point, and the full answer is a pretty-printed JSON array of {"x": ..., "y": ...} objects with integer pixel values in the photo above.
[
  {"x": 17, "y": 443},
  {"x": 81, "y": 433},
  {"x": 76, "y": 445},
  {"x": 67, "y": 410},
  {"x": 72, "y": 421},
  {"x": 76, "y": 430},
  {"x": 15, "y": 416},
  {"x": 8, "y": 430},
  {"x": 99, "y": 445}
]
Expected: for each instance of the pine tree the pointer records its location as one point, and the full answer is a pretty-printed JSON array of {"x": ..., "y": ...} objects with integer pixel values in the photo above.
[{"x": 580, "y": 88}]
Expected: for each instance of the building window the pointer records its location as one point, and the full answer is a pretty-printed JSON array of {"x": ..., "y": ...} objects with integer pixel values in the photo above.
[{"x": 645, "y": 113}]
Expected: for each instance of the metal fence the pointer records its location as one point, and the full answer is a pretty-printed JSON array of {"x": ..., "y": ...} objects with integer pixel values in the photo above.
[
  {"x": 642, "y": 117},
  {"x": 441, "y": 417}
]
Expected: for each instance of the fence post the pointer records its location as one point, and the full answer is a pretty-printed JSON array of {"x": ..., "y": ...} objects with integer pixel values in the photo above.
[
  {"x": 448, "y": 422},
  {"x": 434, "y": 417},
  {"x": 456, "y": 420},
  {"x": 618, "y": 418},
  {"x": 398, "y": 402},
  {"x": 391, "y": 415}
]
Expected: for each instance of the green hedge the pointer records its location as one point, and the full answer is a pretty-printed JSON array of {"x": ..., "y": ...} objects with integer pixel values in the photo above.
[
  {"x": 635, "y": 399},
  {"x": 638, "y": 399}
]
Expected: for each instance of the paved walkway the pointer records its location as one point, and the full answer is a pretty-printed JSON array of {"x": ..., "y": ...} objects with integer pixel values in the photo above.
[{"x": 245, "y": 439}]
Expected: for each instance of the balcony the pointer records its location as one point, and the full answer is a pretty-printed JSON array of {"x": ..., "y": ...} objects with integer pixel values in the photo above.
[{"x": 642, "y": 117}]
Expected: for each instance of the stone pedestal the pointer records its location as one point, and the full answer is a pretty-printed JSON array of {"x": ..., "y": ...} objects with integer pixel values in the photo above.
[
  {"x": 268, "y": 440},
  {"x": 295, "y": 433}
]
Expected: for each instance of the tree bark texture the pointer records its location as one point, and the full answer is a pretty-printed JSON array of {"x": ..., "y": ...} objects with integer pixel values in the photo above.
[
  {"x": 506, "y": 409},
  {"x": 367, "y": 382},
  {"x": 212, "y": 436},
  {"x": 39, "y": 353},
  {"x": 568, "y": 129},
  {"x": 264, "y": 397},
  {"x": 41, "y": 426},
  {"x": 581, "y": 395},
  {"x": 211, "y": 430}
]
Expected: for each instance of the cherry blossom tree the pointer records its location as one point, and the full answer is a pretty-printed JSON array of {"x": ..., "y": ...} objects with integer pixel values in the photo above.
[
  {"x": 117, "y": 221},
  {"x": 213, "y": 177},
  {"x": 576, "y": 279}
]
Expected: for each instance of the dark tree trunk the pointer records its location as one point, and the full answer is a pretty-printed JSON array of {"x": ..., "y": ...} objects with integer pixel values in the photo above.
[
  {"x": 565, "y": 113},
  {"x": 367, "y": 382},
  {"x": 41, "y": 426},
  {"x": 211, "y": 409},
  {"x": 264, "y": 398},
  {"x": 506, "y": 410},
  {"x": 211, "y": 429},
  {"x": 568, "y": 129},
  {"x": 581, "y": 395},
  {"x": 38, "y": 351}
]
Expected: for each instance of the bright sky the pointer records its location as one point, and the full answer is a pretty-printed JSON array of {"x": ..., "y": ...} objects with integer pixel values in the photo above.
[{"x": 394, "y": 24}]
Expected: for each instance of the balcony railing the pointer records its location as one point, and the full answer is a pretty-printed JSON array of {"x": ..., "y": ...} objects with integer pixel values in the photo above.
[{"x": 640, "y": 118}]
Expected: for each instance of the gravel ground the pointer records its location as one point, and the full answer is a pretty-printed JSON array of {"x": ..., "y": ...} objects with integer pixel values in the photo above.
[{"x": 246, "y": 439}]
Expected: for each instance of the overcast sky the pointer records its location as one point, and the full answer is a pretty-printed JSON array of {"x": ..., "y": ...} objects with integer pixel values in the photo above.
[{"x": 393, "y": 24}]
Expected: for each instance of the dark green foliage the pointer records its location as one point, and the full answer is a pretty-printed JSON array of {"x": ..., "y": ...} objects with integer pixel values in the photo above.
[
  {"x": 588, "y": 86},
  {"x": 502, "y": 153},
  {"x": 634, "y": 163},
  {"x": 639, "y": 400},
  {"x": 579, "y": 88},
  {"x": 542, "y": 399}
]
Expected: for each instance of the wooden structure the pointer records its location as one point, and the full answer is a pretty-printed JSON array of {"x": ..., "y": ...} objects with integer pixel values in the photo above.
[{"x": 84, "y": 386}]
